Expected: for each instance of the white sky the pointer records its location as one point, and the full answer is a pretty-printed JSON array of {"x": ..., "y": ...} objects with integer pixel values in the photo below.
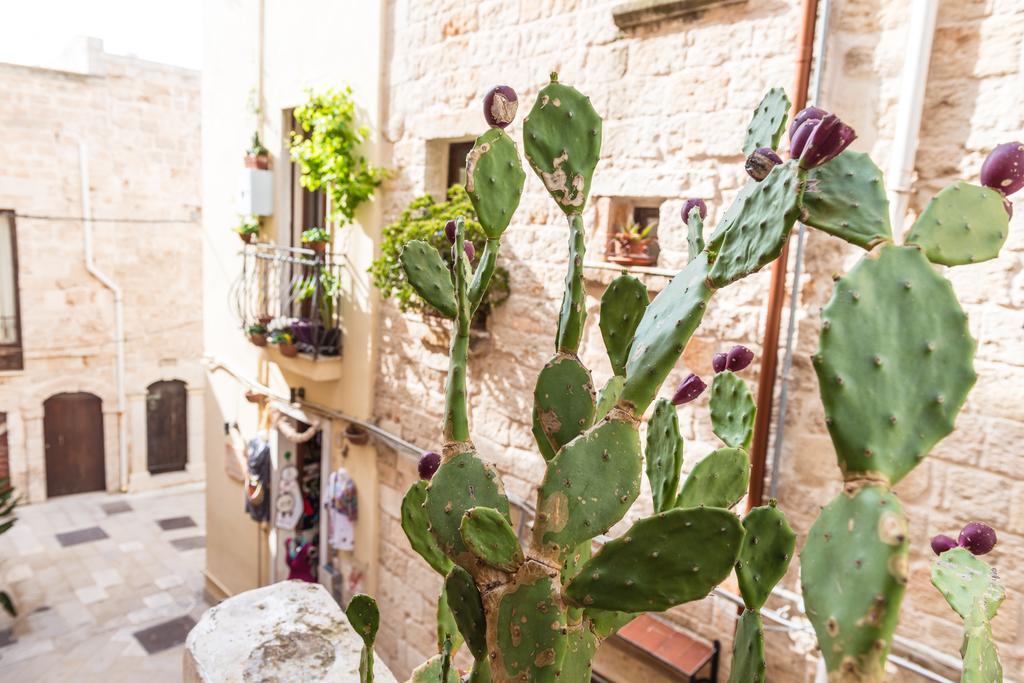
[{"x": 35, "y": 32}]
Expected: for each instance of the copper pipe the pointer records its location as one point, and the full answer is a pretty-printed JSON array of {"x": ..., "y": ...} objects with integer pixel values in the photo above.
[{"x": 777, "y": 286}]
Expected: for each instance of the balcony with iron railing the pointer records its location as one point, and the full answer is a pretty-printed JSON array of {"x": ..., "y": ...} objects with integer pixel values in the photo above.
[{"x": 287, "y": 300}]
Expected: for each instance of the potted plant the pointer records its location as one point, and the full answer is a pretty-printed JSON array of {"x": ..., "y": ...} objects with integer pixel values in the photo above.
[
  {"x": 248, "y": 228},
  {"x": 257, "y": 334},
  {"x": 8, "y": 502},
  {"x": 632, "y": 246},
  {"x": 285, "y": 343},
  {"x": 257, "y": 155},
  {"x": 316, "y": 239}
]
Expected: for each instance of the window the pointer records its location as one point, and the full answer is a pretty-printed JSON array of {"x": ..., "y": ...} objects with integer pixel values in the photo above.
[
  {"x": 309, "y": 209},
  {"x": 647, "y": 216},
  {"x": 5, "y": 461},
  {"x": 10, "y": 308},
  {"x": 457, "y": 152}
]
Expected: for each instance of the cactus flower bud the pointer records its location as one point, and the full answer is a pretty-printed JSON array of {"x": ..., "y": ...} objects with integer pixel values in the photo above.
[
  {"x": 719, "y": 362},
  {"x": 690, "y": 388},
  {"x": 761, "y": 162},
  {"x": 817, "y": 141},
  {"x": 942, "y": 543},
  {"x": 978, "y": 538},
  {"x": 449, "y": 231},
  {"x": 738, "y": 358},
  {"x": 500, "y": 105},
  {"x": 469, "y": 249},
  {"x": 1003, "y": 170},
  {"x": 428, "y": 464},
  {"x": 688, "y": 206}
]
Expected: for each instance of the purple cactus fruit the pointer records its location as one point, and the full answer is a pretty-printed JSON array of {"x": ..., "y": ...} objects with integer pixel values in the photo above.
[
  {"x": 942, "y": 543},
  {"x": 805, "y": 114},
  {"x": 500, "y": 105},
  {"x": 690, "y": 388},
  {"x": 449, "y": 231},
  {"x": 761, "y": 162},
  {"x": 826, "y": 140},
  {"x": 719, "y": 361},
  {"x": 978, "y": 538},
  {"x": 688, "y": 206},
  {"x": 798, "y": 138},
  {"x": 1003, "y": 170},
  {"x": 469, "y": 249},
  {"x": 428, "y": 464},
  {"x": 738, "y": 358}
]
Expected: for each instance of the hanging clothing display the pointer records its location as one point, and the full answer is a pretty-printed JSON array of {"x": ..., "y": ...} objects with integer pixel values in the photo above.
[
  {"x": 301, "y": 559},
  {"x": 342, "y": 507},
  {"x": 257, "y": 479},
  {"x": 288, "y": 502},
  {"x": 235, "y": 454}
]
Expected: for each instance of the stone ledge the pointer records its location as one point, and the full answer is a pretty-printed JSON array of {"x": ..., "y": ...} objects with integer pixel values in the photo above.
[
  {"x": 632, "y": 14},
  {"x": 288, "y": 631}
]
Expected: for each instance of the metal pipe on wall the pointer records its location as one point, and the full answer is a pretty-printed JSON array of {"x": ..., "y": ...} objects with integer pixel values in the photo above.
[{"x": 108, "y": 282}]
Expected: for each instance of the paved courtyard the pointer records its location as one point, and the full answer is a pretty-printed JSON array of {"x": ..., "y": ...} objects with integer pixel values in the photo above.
[{"x": 107, "y": 586}]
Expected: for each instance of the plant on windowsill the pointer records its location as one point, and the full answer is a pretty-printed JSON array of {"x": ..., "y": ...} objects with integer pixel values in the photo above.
[
  {"x": 285, "y": 342},
  {"x": 257, "y": 156},
  {"x": 257, "y": 334},
  {"x": 632, "y": 245},
  {"x": 329, "y": 153},
  {"x": 316, "y": 239},
  {"x": 248, "y": 228},
  {"x": 424, "y": 219},
  {"x": 7, "y": 519}
]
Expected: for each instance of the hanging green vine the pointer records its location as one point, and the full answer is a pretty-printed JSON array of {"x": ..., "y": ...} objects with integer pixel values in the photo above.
[{"x": 328, "y": 152}]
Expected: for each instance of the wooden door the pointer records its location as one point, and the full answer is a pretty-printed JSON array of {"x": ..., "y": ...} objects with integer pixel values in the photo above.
[
  {"x": 73, "y": 439},
  {"x": 166, "y": 426}
]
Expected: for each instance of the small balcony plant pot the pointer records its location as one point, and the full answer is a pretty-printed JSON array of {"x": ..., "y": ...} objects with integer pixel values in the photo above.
[
  {"x": 318, "y": 247},
  {"x": 642, "y": 252},
  {"x": 288, "y": 350},
  {"x": 258, "y": 161},
  {"x": 264, "y": 319},
  {"x": 247, "y": 237},
  {"x": 356, "y": 435},
  {"x": 253, "y": 396},
  {"x": 258, "y": 338}
]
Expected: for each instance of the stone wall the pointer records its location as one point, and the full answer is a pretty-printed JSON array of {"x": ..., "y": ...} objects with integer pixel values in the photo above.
[{"x": 140, "y": 124}]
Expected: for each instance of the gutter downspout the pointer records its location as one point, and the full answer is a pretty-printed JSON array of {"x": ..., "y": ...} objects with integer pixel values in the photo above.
[
  {"x": 916, "y": 60},
  {"x": 777, "y": 285},
  {"x": 108, "y": 282}
]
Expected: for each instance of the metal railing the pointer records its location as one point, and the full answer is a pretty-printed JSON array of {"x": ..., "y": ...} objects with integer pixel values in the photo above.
[{"x": 292, "y": 289}]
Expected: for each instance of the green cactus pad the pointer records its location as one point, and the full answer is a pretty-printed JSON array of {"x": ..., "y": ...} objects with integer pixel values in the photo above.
[
  {"x": 608, "y": 396},
  {"x": 576, "y": 665},
  {"x": 490, "y": 537},
  {"x": 694, "y": 234},
  {"x": 417, "y": 529},
  {"x": 562, "y": 141},
  {"x": 468, "y": 610},
  {"x": 622, "y": 306},
  {"x": 429, "y": 276},
  {"x": 588, "y": 486},
  {"x": 666, "y": 327},
  {"x": 846, "y": 198},
  {"x": 481, "y": 672},
  {"x": 732, "y": 410},
  {"x": 447, "y": 628},
  {"x": 718, "y": 481},
  {"x": 527, "y": 634},
  {"x": 430, "y": 672},
  {"x": 494, "y": 180},
  {"x": 962, "y": 224},
  {"x": 894, "y": 363},
  {"x": 573, "y": 314},
  {"x": 664, "y": 455},
  {"x": 461, "y": 483},
  {"x": 748, "y": 665},
  {"x": 756, "y": 226},
  {"x": 364, "y": 617},
  {"x": 661, "y": 561},
  {"x": 563, "y": 401},
  {"x": 854, "y": 571},
  {"x": 980, "y": 655},
  {"x": 764, "y": 558},
  {"x": 606, "y": 622},
  {"x": 769, "y": 122}
]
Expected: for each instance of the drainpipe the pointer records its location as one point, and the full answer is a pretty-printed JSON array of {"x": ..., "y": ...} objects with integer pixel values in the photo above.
[
  {"x": 108, "y": 282},
  {"x": 911, "y": 103}
]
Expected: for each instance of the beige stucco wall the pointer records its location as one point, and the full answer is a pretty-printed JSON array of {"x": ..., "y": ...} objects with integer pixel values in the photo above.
[
  {"x": 139, "y": 123},
  {"x": 325, "y": 45},
  {"x": 675, "y": 98}
]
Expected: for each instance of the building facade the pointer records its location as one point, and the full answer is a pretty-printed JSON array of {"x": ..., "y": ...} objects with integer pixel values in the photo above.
[
  {"x": 675, "y": 88},
  {"x": 101, "y": 387}
]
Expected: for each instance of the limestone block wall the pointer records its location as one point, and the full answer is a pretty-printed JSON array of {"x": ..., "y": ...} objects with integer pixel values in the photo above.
[{"x": 140, "y": 124}]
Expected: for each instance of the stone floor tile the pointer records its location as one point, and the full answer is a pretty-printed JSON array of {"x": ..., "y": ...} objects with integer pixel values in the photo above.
[
  {"x": 189, "y": 543},
  {"x": 165, "y": 635},
  {"x": 157, "y": 600},
  {"x": 18, "y": 572},
  {"x": 131, "y": 547},
  {"x": 117, "y": 507},
  {"x": 91, "y": 594},
  {"x": 169, "y": 581},
  {"x": 175, "y": 523},
  {"x": 107, "y": 577},
  {"x": 87, "y": 535}
]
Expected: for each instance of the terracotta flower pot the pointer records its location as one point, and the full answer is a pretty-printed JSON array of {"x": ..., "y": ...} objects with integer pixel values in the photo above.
[
  {"x": 356, "y": 435},
  {"x": 247, "y": 237},
  {"x": 318, "y": 247},
  {"x": 633, "y": 252},
  {"x": 264, "y": 319},
  {"x": 253, "y": 396},
  {"x": 258, "y": 339},
  {"x": 261, "y": 161},
  {"x": 288, "y": 350}
]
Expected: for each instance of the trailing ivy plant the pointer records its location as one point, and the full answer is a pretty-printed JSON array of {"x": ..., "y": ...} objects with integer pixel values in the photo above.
[
  {"x": 328, "y": 152},
  {"x": 424, "y": 219}
]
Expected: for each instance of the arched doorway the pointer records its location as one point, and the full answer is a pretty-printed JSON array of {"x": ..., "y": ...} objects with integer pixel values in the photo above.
[
  {"x": 166, "y": 426},
  {"x": 73, "y": 442}
]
